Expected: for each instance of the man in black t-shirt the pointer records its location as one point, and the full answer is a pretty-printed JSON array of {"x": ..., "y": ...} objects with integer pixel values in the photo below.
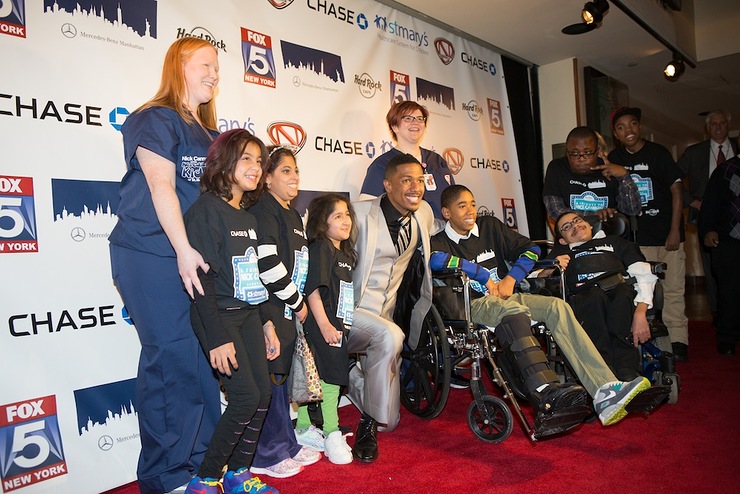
[
  {"x": 584, "y": 183},
  {"x": 660, "y": 229}
]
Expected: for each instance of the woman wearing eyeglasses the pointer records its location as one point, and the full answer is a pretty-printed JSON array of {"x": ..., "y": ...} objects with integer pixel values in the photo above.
[
  {"x": 584, "y": 182},
  {"x": 407, "y": 122}
]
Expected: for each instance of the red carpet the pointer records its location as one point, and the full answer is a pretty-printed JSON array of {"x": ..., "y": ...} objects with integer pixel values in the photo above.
[{"x": 692, "y": 446}]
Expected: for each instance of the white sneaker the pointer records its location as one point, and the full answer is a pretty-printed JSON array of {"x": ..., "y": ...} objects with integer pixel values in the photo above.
[
  {"x": 286, "y": 468},
  {"x": 611, "y": 399},
  {"x": 337, "y": 449},
  {"x": 312, "y": 438},
  {"x": 307, "y": 456}
]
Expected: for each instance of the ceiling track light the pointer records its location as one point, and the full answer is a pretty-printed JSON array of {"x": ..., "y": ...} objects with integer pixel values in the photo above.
[
  {"x": 593, "y": 12},
  {"x": 592, "y": 15},
  {"x": 675, "y": 68}
]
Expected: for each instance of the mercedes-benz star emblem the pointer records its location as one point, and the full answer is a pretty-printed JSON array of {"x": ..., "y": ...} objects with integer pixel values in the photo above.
[
  {"x": 68, "y": 30},
  {"x": 105, "y": 443},
  {"x": 78, "y": 234}
]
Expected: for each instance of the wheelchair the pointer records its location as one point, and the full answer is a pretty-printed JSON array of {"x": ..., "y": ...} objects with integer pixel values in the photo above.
[
  {"x": 658, "y": 363},
  {"x": 448, "y": 339}
]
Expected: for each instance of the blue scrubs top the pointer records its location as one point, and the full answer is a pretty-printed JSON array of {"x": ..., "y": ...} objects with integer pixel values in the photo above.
[{"x": 162, "y": 131}]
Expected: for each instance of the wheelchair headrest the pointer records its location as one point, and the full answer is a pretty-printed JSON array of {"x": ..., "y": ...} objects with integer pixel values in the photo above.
[{"x": 618, "y": 224}]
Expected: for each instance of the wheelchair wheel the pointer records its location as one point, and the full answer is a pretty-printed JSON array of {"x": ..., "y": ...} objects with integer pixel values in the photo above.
[
  {"x": 425, "y": 372},
  {"x": 492, "y": 421},
  {"x": 675, "y": 381}
]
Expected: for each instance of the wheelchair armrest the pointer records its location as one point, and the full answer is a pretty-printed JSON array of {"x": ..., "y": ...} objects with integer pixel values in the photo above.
[
  {"x": 449, "y": 274},
  {"x": 657, "y": 267},
  {"x": 545, "y": 245}
]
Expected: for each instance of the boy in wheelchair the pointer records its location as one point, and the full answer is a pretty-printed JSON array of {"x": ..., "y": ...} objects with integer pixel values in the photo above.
[
  {"x": 613, "y": 312},
  {"x": 480, "y": 246}
]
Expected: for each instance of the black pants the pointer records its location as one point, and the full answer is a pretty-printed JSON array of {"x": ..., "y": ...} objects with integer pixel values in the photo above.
[
  {"x": 248, "y": 390},
  {"x": 726, "y": 270},
  {"x": 607, "y": 319}
]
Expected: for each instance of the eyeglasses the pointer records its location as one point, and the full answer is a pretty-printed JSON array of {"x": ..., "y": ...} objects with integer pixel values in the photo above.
[
  {"x": 565, "y": 227},
  {"x": 412, "y": 118},
  {"x": 586, "y": 154}
]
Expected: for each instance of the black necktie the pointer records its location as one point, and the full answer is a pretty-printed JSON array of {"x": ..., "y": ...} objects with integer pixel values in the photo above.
[
  {"x": 404, "y": 234},
  {"x": 720, "y": 156}
]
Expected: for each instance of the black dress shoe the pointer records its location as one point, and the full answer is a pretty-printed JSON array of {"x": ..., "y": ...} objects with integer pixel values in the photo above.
[
  {"x": 726, "y": 349},
  {"x": 366, "y": 444},
  {"x": 680, "y": 351}
]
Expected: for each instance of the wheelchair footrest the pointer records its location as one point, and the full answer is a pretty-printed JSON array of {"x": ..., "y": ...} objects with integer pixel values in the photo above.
[
  {"x": 557, "y": 421},
  {"x": 649, "y": 399}
]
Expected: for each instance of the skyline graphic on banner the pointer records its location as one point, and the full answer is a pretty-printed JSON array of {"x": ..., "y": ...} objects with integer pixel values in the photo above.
[
  {"x": 105, "y": 406},
  {"x": 320, "y": 62},
  {"x": 437, "y": 93},
  {"x": 84, "y": 199},
  {"x": 139, "y": 16}
]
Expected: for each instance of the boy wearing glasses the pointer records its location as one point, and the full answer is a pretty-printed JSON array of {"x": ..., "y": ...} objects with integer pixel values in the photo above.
[
  {"x": 407, "y": 122},
  {"x": 584, "y": 181},
  {"x": 612, "y": 312}
]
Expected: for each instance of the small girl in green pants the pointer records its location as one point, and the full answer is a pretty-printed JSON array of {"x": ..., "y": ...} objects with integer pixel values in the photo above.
[{"x": 332, "y": 258}]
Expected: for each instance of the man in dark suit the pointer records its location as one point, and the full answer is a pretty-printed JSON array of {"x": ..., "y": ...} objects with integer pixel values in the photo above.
[
  {"x": 389, "y": 229},
  {"x": 719, "y": 229},
  {"x": 697, "y": 164}
]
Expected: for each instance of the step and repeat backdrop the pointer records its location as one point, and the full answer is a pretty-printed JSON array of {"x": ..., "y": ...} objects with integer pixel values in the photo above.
[{"x": 318, "y": 75}]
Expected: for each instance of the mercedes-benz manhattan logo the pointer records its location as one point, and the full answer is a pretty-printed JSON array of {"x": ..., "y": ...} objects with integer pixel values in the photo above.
[
  {"x": 78, "y": 234},
  {"x": 105, "y": 443}
]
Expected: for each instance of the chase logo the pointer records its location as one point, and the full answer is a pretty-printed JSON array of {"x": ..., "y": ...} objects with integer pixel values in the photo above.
[
  {"x": 340, "y": 13},
  {"x": 489, "y": 164},
  {"x": 478, "y": 63},
  {"x": 13, "y": 18},
  {"x": 305, "y": 59},
  {"x": 117, "y": 116},
  {"x": 139, "y": 17},
  {"x": 280, "y": 4},
  {"x": 17, "y": 215},
  {"x": 287, "y": 134},
  {"x": 431, "y": 92},
  {"x": 445, "y": 50},
  {"x": 32, "y": 445},
  {"x": 362, "y": 22},
  {"x": 259, "y": 62},
  {"x": 454, "y": 158}
]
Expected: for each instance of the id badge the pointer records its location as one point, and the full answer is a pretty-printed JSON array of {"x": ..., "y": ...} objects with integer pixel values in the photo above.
[
  {"x": 429, "y": 182},
  {"x": 341, "y": 339}
]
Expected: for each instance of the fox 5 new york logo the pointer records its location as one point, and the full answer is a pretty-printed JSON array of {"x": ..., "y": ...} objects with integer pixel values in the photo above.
[
  {"x": 17, "y": 215},
  {"x": 13, "y": 18},
  {"x": 30, "y": 443}
]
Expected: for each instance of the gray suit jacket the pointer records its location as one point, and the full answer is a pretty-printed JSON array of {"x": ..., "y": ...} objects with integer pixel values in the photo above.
[{"x": 370, "y": 220}]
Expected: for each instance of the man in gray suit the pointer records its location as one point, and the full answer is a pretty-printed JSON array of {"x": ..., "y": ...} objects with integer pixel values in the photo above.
[
  {"x": 697, "y": 164},
  {"x": 389, "y": 229}
]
